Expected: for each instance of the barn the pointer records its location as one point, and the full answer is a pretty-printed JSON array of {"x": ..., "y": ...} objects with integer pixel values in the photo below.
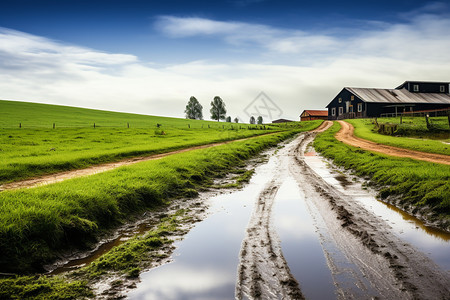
[
  {"x": 411, "y": 96},
  {"x": 309, "y": 115}
]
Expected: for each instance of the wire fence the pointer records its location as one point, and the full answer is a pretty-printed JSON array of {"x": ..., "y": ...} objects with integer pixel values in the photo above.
[{"x": 134, "y": 125}]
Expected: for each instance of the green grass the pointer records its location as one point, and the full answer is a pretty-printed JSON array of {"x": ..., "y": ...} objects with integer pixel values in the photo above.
[
  {"x": 35, "y": 287},
  {"x": 31, "y": 151},
  {"x": 364, "y": 128},
  {"x": 36, "y": 223},
  {"x": 418, "y": 184}
]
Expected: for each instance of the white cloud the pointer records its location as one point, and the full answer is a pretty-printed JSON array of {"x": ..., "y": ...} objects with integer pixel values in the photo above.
[{"x": 296, "y": 69}]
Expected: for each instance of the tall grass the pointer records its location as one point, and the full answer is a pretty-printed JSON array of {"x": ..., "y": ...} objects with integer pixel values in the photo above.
[
  {"x": 37, "y": 223},
  {"x": 364, "y": 128},
  {"x": 417, "y": 184}
]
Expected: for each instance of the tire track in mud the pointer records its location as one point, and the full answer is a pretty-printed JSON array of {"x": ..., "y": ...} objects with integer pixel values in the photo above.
[
  {"x": 263, "y": 272},
  {"x": 393, "y": 268}
]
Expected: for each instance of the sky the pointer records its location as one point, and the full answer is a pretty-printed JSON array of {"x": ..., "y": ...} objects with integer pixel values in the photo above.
[{"x": 262, "y": 57}]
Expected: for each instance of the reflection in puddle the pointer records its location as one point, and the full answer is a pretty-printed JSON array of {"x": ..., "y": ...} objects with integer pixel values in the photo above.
[
  {"x": 205, "y": 262},
  {"x": 300, "y": 243},
  {"x": 433, "y": 242}
]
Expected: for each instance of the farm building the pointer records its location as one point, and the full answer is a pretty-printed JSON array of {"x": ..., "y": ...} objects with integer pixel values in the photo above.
[
  {"x": 309, "y": 115},
  {"x": 281, "y": 121},
  {"x": 409, "y": 97}
]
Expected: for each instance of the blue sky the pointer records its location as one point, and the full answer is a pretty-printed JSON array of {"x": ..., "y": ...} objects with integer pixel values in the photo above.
[{"x": 150, "y": 56}]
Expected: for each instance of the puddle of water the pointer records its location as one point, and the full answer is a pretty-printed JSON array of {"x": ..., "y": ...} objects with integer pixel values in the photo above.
[
  {"x": 124, "y": 235},
  {"x": 433, "y": 242},
  {"x": 205, "y": 262},
  {"x": 300, "y": 243}
]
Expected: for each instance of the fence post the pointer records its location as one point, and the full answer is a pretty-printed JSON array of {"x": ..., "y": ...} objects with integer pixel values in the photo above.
[
  {"x": 189, "y": 125},
  {"x": 20, "y": 125},
  {"x": 448, "y": 116},
  {"x": 53, "y": 125},
  {"x": 94, "y": 125},
  {"x": 128, "y": 125}
]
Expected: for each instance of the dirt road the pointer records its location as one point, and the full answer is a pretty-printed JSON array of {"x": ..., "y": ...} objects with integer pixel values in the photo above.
[
  {"x": 346, "y": 135},
  {"x": 367, "y": 260},
  {"x": 52, "y": 178}
]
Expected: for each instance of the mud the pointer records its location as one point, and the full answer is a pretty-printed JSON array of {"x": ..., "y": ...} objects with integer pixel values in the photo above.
[
  {"x": 346, "y": 135},
  {"x": 263, "y": 272},
  {"x": 393, "y": 268}
]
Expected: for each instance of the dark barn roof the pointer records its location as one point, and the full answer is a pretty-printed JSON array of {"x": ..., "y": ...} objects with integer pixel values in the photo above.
[{"x": 398, "y": 96}]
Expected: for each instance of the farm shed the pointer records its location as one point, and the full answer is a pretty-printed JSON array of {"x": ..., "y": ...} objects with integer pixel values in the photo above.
[
  {"x": 281, "y": 121},
  {"x": 309, "y": 115},
  {"x": 409, "y": 97}
]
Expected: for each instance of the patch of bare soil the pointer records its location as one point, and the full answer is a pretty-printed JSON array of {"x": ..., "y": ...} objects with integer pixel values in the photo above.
[
  {"x": 56, "y": 177},
  {"x": 263, "y": 272},
  {"x": 394, "y": 269},
  {"x": 346, "y": 135},
  {"x": 324, "y": 126}
]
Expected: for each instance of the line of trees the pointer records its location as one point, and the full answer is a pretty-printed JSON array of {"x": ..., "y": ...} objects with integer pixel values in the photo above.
[{"x": 194, "y": 110}]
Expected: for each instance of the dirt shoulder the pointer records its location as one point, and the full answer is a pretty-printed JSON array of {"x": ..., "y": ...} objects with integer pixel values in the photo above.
[{"x": 347, "y": 136}]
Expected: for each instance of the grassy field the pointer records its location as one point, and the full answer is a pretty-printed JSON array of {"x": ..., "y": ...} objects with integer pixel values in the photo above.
[
  {"x": 420, "y": 184},
  {"x": 37, "y": 148},
  {"x": 414, "y": 136}
]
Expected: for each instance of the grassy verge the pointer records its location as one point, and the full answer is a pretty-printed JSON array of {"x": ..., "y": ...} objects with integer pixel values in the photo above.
[
  {"x": 364, "y": 128},
  {"x": 125, "y": 260},
  {"x": 415, "y": 186}
]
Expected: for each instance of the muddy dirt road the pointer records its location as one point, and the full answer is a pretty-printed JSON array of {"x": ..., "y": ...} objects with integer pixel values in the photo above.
[
  {"x": 346, "y": 135},
  {"x": 356, "y": 254}
]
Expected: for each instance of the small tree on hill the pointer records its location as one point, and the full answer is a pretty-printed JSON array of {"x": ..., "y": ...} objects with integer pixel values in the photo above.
[
  {"x": 260, "y": 120},
  {"x": 252, "y": 120},
  {"x": 194, "y": 110},
  {"x": 236, "y": 120},
  {"x": 218, "y": 110},
  {"x": 228, "y": 119}
]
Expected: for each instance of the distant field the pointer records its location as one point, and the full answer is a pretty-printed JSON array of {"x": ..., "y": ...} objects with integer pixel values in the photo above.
[
  {"x": 35, "y": 115},
  {"x": 37, "y": 148},
  {"x": 414, "y": 134}
]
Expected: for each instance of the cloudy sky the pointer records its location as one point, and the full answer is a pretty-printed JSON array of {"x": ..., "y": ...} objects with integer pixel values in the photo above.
[{"x": 149, "y": 57}]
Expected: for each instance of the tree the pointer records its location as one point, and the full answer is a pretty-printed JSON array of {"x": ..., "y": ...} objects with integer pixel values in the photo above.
[
  {"x": 228, "y": 119},
  {"x": 236, "y": 120},
  {"x": 260, "y": 120},
  {"x": 252, "y": 120},
  {"x": 194, "y": 109},
  {"x": 218, "y": 110}
]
